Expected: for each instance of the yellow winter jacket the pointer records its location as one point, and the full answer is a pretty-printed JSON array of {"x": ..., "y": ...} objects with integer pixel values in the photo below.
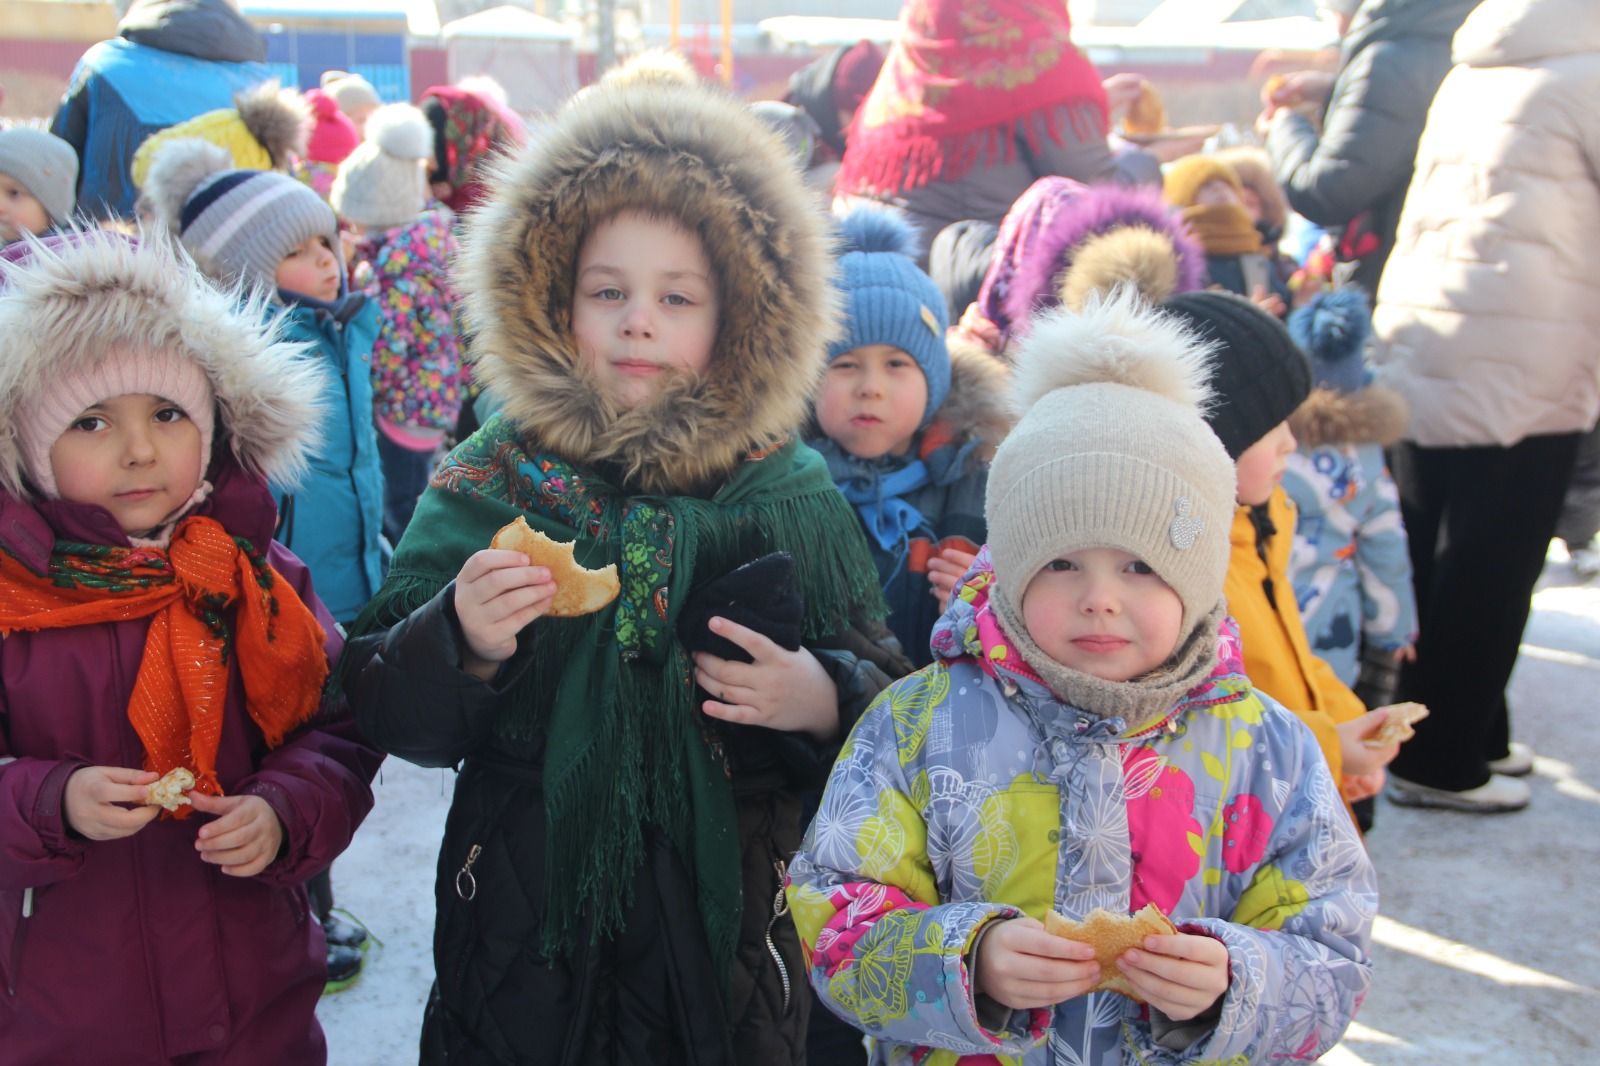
[
  {"x": 222, "y": 127},
  {"x": 1277, "y": 656}
]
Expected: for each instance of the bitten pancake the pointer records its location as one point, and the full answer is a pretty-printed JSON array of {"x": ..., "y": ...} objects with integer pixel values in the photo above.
[
  {"x": 1396, "y": 729},
  {"x": 1111, "y": 935},
  {"x": 169, "y": 791},
  {"x": 578, "y": 591}
]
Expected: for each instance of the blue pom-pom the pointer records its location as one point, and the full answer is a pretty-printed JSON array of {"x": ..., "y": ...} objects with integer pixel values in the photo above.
[
  {"x": 1335, "y": 325},
  {"x": 877, "y": 229}
]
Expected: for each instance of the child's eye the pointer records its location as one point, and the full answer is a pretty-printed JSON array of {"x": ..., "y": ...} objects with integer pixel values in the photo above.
[
  {"x": 1060, "y": 566},
  {"x": 169, "y": 415},
  {"x": 89, "y": 424},
  {"x": 842, "y": 364},
  {"x": 675, "y": 299},
  {"x": 900, "y": 364},
  {"x": 1139, "y": 566},
  {"x": 608, "y": 294}
]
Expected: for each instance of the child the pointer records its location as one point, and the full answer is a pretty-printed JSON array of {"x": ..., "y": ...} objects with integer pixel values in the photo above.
[
  {"x": 269, "y": 232},
  {"x": 1260, "y": 378},
  {"x": 902, "y": 423},
  {"x": 1350, "y": 567},
  {"x": 402, "y": 260},
  {"x": 1211, "y": 197},
  {"x": 333, "y": 137},
  {"x": 38, "y": 173},
  {"x": 143, "y": 413},
  {"x": 1087, "y": 739},
  {"x": 649, "y": 296}
]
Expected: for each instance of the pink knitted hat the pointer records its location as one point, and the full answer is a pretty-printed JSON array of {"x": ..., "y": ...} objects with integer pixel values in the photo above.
[
  {"x": 333, "y": 135},
  {"x": 169, "y": 375}
]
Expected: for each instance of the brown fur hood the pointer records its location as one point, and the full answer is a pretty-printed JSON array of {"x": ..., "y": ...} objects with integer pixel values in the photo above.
[
  {"x": 688, "y": 153},
  {"x": 978, "y": 402},
  {"x": 1375, "y": 415}
]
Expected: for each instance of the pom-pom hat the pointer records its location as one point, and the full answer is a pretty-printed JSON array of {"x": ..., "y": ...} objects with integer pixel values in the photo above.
[
  {"x": 383, "y": 183},
  {"x": 889, "y": 300}
]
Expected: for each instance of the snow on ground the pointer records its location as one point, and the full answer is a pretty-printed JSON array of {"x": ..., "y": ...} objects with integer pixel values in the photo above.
[{"x": 1485, "y": 948}]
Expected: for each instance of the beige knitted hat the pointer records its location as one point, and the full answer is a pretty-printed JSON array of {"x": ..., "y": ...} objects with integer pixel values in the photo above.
[{"x": 1111, "y": 451}]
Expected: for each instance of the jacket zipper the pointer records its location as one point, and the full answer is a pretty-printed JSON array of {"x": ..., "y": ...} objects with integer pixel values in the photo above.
[
  {"x": 780, "y": 907},
  {"x": 16, "y": 941},
  {"x": 466, "y": 883}
]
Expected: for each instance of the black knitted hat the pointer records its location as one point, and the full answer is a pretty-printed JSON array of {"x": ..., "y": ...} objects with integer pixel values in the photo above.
[{"x": 1260, "y": 376}]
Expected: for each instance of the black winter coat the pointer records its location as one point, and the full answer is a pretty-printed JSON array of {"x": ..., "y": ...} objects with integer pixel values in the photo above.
[
  {"x": 1353, "y": 178},
  {"x": 649, "y": 995}
]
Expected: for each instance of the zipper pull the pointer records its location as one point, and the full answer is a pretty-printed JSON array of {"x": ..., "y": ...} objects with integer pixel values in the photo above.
[
  {"x": 466, "y": 884},
  {"x": 27, "y": 902}
]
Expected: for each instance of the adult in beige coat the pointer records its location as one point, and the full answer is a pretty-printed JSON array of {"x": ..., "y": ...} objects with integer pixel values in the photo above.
[{"x": 1488, "y": 322}]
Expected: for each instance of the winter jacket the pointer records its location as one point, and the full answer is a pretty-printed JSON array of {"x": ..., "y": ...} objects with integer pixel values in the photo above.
[
  {"x": 970, "y": 794},
  {"x": 334, "y": 518},
  {"x": 134, "y": 951},
  {"x": 1487, "y": 322},
  {"x": 955, "y": 449},
  {"x": 416, "y": 359},
  {"x": 647, "y": 989},
  {"x": 1242, "y": 274},
  {"x": 1277, "y": 653},
  {"x": 1350, "y": 566},
  {"x": 174, "y": 59},
  {"x": 1353, "y": 176}
]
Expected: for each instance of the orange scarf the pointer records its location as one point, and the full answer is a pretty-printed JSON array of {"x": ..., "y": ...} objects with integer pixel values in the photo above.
[
  {"x": 1223, "y": 229},
  {"x": 181, "y": 691}
]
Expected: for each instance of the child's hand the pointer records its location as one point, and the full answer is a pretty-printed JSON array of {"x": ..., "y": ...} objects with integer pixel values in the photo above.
[
  {"x": 497, "y": 595},
  {"x": 1406, "y": 653},
  {"x": 1023, "y": 967},
  {"x": 946, "y": 569},
  {"x": 1268, "y": 301},
  {"x": 784, "y": 690},
  {"x": 1180, "y": 975},
  {"x": 1361, "y": 786},
  {"x": 94, "y": 796},
  {"x": 1360, "y": 760},
  {"x": 244, "y": 839}
]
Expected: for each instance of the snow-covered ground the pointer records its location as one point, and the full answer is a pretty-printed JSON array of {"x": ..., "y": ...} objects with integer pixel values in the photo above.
[{"x": 1486, "y": 950}]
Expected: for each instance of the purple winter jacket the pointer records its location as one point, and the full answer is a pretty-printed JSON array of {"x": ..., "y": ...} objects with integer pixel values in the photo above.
[{"x": 135, "y": 951}]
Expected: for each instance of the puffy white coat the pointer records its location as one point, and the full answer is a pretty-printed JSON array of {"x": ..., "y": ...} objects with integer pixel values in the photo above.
[{"x": 1488, "y": 316}]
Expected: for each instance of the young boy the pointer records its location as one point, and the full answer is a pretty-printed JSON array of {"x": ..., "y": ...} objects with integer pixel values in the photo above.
[
  {"x": 1211, "y": 198},
  {"x": 1087, "y": 740},
  {"x": 648, "y": 292},
  {"x": 38, "y": 173},
  {"x": 903, "y": 423},
  {"x": 151, "y": 624},
  {"x": 1260, "y": 378}
]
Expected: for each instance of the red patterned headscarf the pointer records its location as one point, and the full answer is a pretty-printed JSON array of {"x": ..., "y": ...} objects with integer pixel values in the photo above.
[{"x": 962, "y": 80}]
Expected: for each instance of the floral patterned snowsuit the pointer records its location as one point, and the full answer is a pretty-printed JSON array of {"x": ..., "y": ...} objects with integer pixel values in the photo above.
[{"x": 968, "y": 793}]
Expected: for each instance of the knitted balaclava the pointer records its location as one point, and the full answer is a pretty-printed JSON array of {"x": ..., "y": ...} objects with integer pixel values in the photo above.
[
  {"x": 43, "y": 164},
  {"x": 238, "y": 224},
  {"x": 383, "y": 183},
  {"x": 1112, "y": 451},
  {"x": 1259, "y": 376},
  {"x": 889, "y": 300}
]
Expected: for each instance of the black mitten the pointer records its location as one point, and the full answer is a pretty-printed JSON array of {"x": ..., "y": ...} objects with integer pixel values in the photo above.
[{"x": 759, "y": 595}]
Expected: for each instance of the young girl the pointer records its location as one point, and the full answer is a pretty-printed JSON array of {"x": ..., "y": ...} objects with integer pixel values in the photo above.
[
  {"x": 649, "y": 296},
  {"x": 151, "y": 623},
  {"x": 402, "y": 261},
  {"x": 1088, "y": 740}
]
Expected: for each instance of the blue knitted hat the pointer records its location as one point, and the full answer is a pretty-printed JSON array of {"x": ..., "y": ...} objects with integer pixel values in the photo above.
[
  {"x": 888, "y": 300},
  {"x": 1333, "y": 330}
]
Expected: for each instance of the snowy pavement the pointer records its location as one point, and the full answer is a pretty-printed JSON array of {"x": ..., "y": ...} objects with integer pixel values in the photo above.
[{"x": 1485, "y": 948}]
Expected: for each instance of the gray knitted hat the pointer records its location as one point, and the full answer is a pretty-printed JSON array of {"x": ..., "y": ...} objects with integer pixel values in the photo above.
[
  {"x": 383, "y": 183},
  {"x": 45, "y": 165},
  {"x": 1111, "y": 451},
  {"x": 238, "y": 224}
]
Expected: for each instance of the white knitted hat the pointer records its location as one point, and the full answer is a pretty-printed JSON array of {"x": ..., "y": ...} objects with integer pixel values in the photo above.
[
  {"x": 1111, "y": 451},
  {"x": 383, "y": 183}
]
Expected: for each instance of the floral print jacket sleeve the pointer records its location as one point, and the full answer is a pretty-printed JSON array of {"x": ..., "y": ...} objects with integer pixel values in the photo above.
[{"x": 969, "y": 794}]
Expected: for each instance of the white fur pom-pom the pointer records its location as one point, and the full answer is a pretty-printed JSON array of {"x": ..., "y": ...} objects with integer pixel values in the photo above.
[
  {"x": 402, "y": 131},
  {"x": 1117, "y": 339},
  {"x": 177, "y": 171}
]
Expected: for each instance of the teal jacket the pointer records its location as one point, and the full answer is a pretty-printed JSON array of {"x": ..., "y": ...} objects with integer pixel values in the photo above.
[{"x": 333, "y": 520}]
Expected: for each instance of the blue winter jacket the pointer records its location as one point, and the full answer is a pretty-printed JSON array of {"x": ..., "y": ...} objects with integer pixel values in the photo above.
[
  {"x": 333, "y": 520},
  {"x": 175, "y": 59}
]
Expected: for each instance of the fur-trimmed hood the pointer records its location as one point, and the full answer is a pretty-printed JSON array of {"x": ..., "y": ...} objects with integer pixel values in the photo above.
[
  {"x": 65, "y": 301},
  {"x": 687, "y": 153},
  {"x": 978, "y": 404},
  {"x": 1374, "y": 415}
]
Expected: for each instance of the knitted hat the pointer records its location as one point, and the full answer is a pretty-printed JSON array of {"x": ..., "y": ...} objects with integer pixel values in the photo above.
[
  {"x": 351, "y": 92},
  {"x": 1333, "y": 329},
  {"x": 238, "y": 224},
  {"x": 855, "y": 74},
  {"x": 383, "y": 183},
  {"x": 333, "y": 135},
  {"x": 1259, "y": 376},
  {"x": 123, "y": 371},
  {"x": 1253, "y": 167},
  {"x": 888, "y": 300},
  {"x": 1182, "y": 180},
  {"x": 43, "y": 164},
  {"x": 1111, "y": 451}
]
